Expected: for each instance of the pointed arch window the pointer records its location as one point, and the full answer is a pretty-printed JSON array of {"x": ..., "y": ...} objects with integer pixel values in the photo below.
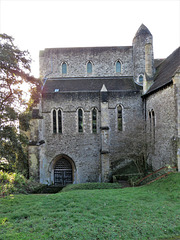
[
  {"x": 119, "y": 118},
  {"x": 59, "y": 121},
  {"x": 80, "y": 120},
  {"x": 153, "y": 123},
  {"x": 89, "y": 67},
  {"x": 54, "y": 122},
  {"x": 150, "y": 127},
  {"x": 94, "y": 120},
  {"x": 118, "y": 67},
  {"x": 64, "y": 68},
  {"x": 140, "y": 79}
]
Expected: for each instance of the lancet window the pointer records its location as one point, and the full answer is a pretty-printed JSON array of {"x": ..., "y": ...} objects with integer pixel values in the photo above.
[
  {"x": 118, "y": 67},
  {"x": 64, "y": 68},
  {"x": 80, "y": 120},
  {"x": 57, "y": 120},
  {"x": 94, "y": 120},
  {"x": 119, "y": 118},
  {"x": 89, "y": 67}
]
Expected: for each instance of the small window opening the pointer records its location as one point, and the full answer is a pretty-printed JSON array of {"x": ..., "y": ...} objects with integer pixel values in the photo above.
[
  {"x": 59, "y": 121},
  {"x": 94, "y": 120},
  {"x": 64, "y": 68},
  {"x": 54, "y": 121},
  {"x": 80, "y": 120},
  {"x": 56, "y": 90},
  {"x": 119, "y": 118},
  {"x": 89, "y": 67},
  {"x": 118, "y": 66},
  {"x": 150, "y": 122},
  {"x": 140, "y": 79},
  {"x": 153, "y": 119}
]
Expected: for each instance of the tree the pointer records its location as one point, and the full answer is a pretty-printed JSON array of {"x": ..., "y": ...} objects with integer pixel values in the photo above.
[{"x": 14, "y": 70}]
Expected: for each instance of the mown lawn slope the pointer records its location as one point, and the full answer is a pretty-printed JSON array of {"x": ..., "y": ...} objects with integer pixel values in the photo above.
[{"x": 147, "y": 212}]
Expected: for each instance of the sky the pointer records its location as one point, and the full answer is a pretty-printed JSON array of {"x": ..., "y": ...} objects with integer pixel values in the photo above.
[{"x": 40, "y": 24}]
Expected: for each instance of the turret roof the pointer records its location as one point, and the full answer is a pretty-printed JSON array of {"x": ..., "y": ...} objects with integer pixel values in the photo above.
[{"x": 143, "y": 30}]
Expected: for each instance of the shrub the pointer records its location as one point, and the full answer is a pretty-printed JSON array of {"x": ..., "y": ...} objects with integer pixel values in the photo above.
[
  {"x": 17, "y": 183},
  {"x": 91, "y": 186}
]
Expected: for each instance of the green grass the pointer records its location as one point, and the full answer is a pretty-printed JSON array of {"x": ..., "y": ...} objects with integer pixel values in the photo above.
[
  {"x": 147, "y": 212},
  {"x": 91, "y": 186}
]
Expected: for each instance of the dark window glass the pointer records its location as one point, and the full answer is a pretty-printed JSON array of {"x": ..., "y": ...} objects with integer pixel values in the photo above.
[
  {"x": 119, "y": 118},
  {"x": 60, "y": 121},
  {"x": 54, "y": 121},
  {"x": 153, "y": 119},
  {"x": 94, "y": 120},
  {"x": 150, "y": 121},
  {"x": 118, "y": 67},
  {"x": 89, "y": 67},
  {"x": 80, "y": 120},
  {"x": 140, "y": 79},
  {"x": 64, "y": 68},
  {"x": 153, "y": 128}
]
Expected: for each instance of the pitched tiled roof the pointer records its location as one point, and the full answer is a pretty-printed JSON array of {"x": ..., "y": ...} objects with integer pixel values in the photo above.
[
  {"x": 83, "y": 50},
  {"x": 158, "y": 61},
  {"x": 88, "y": 84},
  {"x": 166, "y": 71}
]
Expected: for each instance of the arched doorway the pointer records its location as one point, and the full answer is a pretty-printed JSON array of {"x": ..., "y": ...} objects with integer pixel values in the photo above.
[{"x": 63, "y": 172}]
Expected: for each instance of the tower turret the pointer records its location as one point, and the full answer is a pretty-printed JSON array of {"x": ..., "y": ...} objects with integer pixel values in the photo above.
[{"x": 143, "y": 60}]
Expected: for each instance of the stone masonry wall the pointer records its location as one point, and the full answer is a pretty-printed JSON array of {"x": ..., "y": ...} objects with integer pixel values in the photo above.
[
  {"x": 162, "y": 149},
  {"x": 85, "y": 148},
  {"x": 82, "y": 148},
  {"x": 126, "y": 146},
  {"x": 103, "y": 61},
  {"x": 139, "y": 44}
]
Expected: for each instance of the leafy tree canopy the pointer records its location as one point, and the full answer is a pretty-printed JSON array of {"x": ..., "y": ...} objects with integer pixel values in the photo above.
[{"x": 14, "y": 71}]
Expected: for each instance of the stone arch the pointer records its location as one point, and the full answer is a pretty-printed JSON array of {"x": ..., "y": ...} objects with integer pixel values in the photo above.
[{"x": 63, "y": 170}]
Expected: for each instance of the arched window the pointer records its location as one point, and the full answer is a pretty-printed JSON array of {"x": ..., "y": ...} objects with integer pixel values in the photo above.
[
  {"x": 153, "y": 122},
  {"x": 140, "y": 79},
  {"x": 119, "y": 118},
  {"x": 118, "y": 66},
  {"x": 54, "y": 122},
  {"x": 80, "y": 120},
  {"x": 150, "y": 127},
  {"x": 94, "y": 120},
  {"x": 59, "y": 121},
  {"x": 89, "y": 67},
  {"x": 64, "y": 68}
]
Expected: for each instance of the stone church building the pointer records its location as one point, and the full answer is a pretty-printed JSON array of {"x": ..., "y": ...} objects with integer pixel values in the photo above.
[{"x": 105, "y": 111}]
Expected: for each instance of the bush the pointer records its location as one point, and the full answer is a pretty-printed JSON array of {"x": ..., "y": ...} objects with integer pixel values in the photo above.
[
  {"x": 17, "y": 183},
  {"x": 91, "y": 186}
]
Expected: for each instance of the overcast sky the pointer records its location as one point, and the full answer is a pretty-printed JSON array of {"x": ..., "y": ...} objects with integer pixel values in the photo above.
[{"x": 39, "y": 24}]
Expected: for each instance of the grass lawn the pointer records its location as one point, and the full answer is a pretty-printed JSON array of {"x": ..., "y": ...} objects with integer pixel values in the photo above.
[{"x": 147, "y": 212}]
